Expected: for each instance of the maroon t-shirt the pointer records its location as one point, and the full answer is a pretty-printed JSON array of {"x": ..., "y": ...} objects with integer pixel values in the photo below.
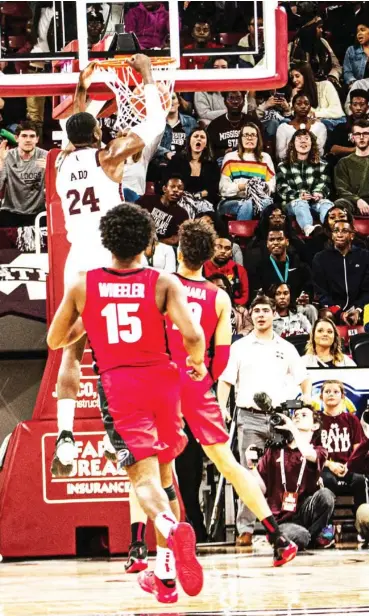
[
  {"x": 269, "y": 468},
  {"x": 359, "y": 459},
  {"x": 339, "y": 434}
]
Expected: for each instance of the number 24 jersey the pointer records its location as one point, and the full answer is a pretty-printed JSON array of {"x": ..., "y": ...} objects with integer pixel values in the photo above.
[{"x": 86, "y": 194}]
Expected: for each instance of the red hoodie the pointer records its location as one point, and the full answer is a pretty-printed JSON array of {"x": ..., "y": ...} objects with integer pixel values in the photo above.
[{"x": 233, "y": 271}]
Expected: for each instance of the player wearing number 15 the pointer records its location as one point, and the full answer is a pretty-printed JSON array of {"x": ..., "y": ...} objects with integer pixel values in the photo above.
[
  {"x": 89, "y": 178},
  {"x": 122, "y": 309}
]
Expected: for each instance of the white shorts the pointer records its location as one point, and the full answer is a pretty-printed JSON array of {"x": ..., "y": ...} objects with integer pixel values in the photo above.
[{"x": 83, "y": 259}]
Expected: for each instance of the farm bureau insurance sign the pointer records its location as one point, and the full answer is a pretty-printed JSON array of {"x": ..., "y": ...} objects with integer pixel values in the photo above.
[{"x": 94, "y": 478}]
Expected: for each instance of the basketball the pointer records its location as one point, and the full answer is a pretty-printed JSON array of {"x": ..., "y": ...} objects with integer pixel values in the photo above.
[{"x": 137, "y": 100}]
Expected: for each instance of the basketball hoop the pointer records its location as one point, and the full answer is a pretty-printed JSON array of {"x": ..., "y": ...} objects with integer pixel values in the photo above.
[{"x": 126, "y": 84}]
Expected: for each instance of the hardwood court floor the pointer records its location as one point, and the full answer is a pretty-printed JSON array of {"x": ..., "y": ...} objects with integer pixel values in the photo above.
[{"x": 324, "y": 582}]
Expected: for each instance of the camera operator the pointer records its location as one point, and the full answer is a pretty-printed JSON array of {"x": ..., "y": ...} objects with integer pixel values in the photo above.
[
  {"x": 289, "y": 478},
  {"x": 260, "y": 362}
]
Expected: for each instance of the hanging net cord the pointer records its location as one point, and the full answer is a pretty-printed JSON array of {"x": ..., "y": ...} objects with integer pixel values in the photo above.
[{"x": 130, "y": 96}]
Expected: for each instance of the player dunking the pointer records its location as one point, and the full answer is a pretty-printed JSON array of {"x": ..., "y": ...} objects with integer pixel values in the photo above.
[
  {"x": 212, "y": 309},
  {"x": 88, "y": 183},
  {"x": 122, "y": 310}
]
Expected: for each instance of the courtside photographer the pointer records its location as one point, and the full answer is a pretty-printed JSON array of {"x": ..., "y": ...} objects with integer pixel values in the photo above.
[{"x": 289, "y": 476}]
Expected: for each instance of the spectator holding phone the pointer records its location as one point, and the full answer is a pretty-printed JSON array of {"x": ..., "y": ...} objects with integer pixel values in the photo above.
[
  {"x": 22, "y": 173},
  {"x": 272, "y": 111}
]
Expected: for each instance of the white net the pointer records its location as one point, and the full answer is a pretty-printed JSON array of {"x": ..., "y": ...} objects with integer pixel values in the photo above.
[{"x": 129, "y": 92}]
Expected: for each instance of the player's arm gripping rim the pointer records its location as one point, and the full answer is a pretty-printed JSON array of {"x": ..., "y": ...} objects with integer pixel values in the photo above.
[
  {"x": 84, "y": 82},
  {"x": 113, "y": 158},
  {"x": 193, "y": 336},
  {"x": 67, "y": 326}
]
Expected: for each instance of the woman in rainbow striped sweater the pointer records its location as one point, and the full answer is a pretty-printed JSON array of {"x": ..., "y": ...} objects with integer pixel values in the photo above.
[{"x": 248, "y": 178}]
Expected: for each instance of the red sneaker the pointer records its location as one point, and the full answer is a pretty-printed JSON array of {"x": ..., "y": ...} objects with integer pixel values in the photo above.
[
  {"x": 284, "y": 551},
  {"x": 137, "y": 558},
  {"x": 182, "y": 541},
  {"x": 165, "y": 592}
]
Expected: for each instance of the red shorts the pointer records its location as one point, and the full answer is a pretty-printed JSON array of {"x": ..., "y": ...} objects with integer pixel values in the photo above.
[
  {"x": 144, "y": 415},
  {"x": 201, "y": 410}
]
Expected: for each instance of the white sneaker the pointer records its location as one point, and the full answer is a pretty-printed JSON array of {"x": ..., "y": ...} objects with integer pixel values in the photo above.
[
  {"x": 64, "y": 455},
  {"x": 109, "y": 450}
]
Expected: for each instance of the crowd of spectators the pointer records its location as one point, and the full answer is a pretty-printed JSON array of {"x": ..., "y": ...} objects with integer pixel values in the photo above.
[{"x": 290, "y": 165}]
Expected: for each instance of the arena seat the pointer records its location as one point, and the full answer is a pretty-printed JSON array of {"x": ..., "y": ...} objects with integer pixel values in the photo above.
[
  {"x": 242, "y": 228},
  {"x": 230, "y": 39},
  {"x": 347, "y": 332},
  {"x": 16, "y": 41},
  {"x": 150, "y": 188},
  {"x": 362, "y": 225},
  {"x": 299, "y": 342},
  {"x": 359, "y": 346}
]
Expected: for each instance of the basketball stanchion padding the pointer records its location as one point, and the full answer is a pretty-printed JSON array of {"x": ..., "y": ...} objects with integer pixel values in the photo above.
[{"x": 39, "y": 513}]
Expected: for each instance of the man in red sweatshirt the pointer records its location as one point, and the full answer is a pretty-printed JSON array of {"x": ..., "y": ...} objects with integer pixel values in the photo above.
[{"x": 222, "y": 263}]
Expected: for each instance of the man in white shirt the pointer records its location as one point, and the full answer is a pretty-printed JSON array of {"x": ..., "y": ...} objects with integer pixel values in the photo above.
[{"x": 260, "y": 362}]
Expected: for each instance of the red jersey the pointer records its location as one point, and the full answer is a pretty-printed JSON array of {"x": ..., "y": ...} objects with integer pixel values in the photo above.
[
  {"x": 201, "y": 297},
  {"x": 122, "y": 320}
]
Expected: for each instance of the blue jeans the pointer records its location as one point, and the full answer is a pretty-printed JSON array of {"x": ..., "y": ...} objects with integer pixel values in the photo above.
[
  {"x": 310, "y": 519},
  {"x": 130, "y": 195},
  {"x": 330, "y": 124},
  {"x": 241, "y": 208},
  {"x": 301, "y": 209},
  {"x": 271, "y": 126}
]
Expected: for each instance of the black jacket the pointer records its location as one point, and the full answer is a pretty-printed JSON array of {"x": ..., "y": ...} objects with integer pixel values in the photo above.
[
  {"x": 299, "y": 276},
  {"x": 342, "y": 281}
]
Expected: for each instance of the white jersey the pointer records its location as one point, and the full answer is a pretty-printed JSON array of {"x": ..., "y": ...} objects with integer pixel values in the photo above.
[{"x": 86, "y": 194}]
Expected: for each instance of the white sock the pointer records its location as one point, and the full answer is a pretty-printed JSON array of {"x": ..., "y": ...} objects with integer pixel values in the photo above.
[
  {"x": 164, "y": 522},
  {"x": 165, "y": 567},
  {"x": 65, "y": 412}
]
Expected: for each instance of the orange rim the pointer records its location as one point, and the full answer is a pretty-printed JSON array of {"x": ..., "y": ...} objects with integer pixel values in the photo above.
[{"x": 122, "y": 61}]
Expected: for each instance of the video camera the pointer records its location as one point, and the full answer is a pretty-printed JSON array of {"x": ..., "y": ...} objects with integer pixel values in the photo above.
[{"x": 278, "y": 439}]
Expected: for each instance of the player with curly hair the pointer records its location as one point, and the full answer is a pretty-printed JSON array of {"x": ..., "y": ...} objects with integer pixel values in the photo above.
[
  {"x": 122, "y": 309},
  {"x": 211, "y": 307}
]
